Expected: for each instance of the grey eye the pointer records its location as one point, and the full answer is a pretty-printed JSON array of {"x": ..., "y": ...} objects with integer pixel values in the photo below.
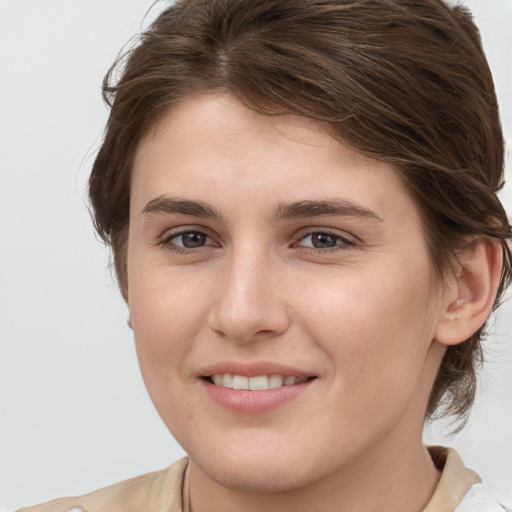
[
  {"x": 191, "y": 239},
  {"x": 321, "y": 240},
  {"x": 324, "y": 240}
]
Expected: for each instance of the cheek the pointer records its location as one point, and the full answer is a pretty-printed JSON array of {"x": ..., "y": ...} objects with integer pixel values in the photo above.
[
  {"x": 376, "y": 331},
  {"x": 167, "y": 314},
  {"x": 166, "y": 319}
]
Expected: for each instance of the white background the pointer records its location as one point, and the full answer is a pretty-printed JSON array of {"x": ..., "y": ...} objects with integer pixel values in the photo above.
[{"x": 74, "y": 414}]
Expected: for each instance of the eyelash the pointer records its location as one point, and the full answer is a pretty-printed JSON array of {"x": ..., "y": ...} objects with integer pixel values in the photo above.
[
  {"x": 166, "y": 241},
  {"x": 342, "y": 243}
]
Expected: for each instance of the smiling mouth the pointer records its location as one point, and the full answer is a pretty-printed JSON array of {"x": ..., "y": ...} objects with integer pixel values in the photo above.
[{"x": 258, "y": 383}]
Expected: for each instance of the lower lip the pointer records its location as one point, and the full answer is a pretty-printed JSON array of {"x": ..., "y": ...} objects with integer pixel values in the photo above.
[{"x": 253, "y": 402}]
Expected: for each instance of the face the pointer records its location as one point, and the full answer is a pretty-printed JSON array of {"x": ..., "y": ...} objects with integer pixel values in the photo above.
[{"x": 264, "y": 254}]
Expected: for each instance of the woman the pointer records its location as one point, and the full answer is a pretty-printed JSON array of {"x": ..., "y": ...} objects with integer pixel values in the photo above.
[{"x": 301, "y": 201}]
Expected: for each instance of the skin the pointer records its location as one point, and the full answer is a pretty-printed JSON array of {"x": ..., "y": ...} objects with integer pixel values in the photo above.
[{"x": 362, "y": 313}]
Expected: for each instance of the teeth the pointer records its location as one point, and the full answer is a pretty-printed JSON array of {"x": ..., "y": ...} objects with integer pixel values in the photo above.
[
  {"x": 275, "y": 381},
  {"x": 259, "y": 383},
  {"x": 227, "y": 380},
  {"x": 240, "y": 382}
]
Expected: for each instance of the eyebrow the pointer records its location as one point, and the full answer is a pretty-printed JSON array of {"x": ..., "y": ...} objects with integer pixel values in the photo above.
[
  {"x": 318, "y": 208},
  {"x": 170, "y": 205},
  {"x": 299, "y": 209}
]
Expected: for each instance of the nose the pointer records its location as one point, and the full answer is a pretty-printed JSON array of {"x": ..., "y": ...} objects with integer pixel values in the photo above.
[{"x": 250, "y": 300}]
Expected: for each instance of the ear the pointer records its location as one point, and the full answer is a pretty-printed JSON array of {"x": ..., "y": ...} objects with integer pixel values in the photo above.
[{"x": 470, "y": 293}]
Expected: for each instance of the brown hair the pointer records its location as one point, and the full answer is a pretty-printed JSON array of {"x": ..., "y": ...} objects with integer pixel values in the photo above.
[{"x": 401, "y": 81}]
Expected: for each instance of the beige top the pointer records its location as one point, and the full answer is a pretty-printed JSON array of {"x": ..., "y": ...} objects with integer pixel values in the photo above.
[{"x": 162, "y": 491}]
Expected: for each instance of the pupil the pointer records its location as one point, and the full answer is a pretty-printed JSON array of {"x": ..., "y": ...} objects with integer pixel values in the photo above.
[
  {"x": 323, "y": 240},
  {"x": 193, "y": 239}
]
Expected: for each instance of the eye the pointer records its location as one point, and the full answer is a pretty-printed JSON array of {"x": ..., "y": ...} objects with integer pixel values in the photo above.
[
  {"x": 186, "y": 240},
  {"x": 190, "y": 239},
  {"x": 324, "y": 240}
]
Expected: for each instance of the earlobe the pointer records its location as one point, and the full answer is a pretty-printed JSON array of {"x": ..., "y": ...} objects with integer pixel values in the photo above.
[{"x": 469, "y": 299}]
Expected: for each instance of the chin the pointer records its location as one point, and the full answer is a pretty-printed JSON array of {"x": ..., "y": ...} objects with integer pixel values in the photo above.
[
  {"x": 264, "y": 463},
  {"x": 260, "y": 476}
]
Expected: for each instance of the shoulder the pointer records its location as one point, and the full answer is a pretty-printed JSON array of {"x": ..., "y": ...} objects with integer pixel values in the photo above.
[
  {"x": 478, "y": 499},
  {"x": 459, "y": 488},
  {"x": 159, "y": 491}
]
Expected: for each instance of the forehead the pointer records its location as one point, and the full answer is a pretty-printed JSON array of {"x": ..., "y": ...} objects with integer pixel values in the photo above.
[{"x": 214, "y": 149}]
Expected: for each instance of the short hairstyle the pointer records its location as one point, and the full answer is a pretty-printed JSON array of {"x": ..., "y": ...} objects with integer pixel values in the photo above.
[{"x": 402, "y": 81}]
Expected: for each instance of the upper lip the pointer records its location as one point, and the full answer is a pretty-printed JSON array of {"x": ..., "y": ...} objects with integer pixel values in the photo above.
[{"x": 252, "y": 369}]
